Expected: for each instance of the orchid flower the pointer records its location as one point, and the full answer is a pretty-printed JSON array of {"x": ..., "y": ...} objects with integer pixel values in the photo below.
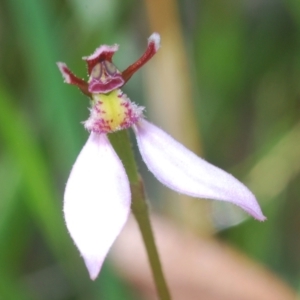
[{"x": 97, "y": 196}]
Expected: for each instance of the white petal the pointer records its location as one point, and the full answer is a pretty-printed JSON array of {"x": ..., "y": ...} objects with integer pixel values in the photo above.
[
  {"x": 183, "y": 171},
  {"x": 96, "y": 201}
]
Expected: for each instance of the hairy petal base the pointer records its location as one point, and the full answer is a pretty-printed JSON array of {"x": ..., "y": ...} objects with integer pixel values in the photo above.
[
  {"x": 183, "y": 171},
  {"x": 111, "y": 112},
  {"x": 96, "y": 201}
]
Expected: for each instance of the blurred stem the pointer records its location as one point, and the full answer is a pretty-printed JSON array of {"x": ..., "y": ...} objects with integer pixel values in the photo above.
[
  {"x": 170, "y": 90},
  {"x": 173, "y": 83},
  {"x": 121, "y": 143}
]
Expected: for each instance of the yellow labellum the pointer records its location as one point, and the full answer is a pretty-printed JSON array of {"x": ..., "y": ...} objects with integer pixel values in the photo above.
[
  {"x": 111, "y": 109},
  {"x": 111, "y": 112}
]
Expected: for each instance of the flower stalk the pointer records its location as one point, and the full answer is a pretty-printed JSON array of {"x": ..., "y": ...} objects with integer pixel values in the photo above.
[
  {"x": 140, "y": 210},
  {"x": 139, "y": 207}
]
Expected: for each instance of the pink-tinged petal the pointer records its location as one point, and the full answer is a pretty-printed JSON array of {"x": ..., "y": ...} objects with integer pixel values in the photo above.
[
  {"x": 96, "y": 201},
  {"x": 183, "y": 171}
]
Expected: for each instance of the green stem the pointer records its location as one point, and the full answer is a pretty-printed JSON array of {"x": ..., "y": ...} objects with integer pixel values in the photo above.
[
  {"x": 121, "y": 143},
  {"x": 141, "y": 212}
]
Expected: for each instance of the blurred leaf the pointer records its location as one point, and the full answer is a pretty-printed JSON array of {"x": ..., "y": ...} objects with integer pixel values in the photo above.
[
  {"x": 22, "y": 145},
  {"x": 9, "y": 181},
  {"x": 40, "y": 43},
  {"x": 271, "y": 175},
  {"x": 42, "y": 201},
  {"x": 95, "y": 14},
  {"x": 11, "y": 290},
  {"x": 294, "y": 8}
]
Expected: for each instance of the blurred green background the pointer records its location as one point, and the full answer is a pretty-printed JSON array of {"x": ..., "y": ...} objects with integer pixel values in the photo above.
[{"x": 244, "y": 63}]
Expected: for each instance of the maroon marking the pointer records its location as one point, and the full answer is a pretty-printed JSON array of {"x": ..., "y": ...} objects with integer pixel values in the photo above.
[
  {"x": 74, "y": 80},
  {"x": 105, "y": 55},
  {"x": 96, "y": 86},
  {"x": 150, "y": 51}
]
